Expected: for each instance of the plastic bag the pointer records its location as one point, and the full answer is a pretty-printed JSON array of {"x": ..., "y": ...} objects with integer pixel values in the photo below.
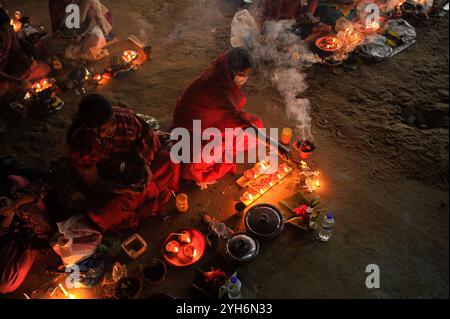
[
  {"x": 244, "y": 30},
  {"x": 376, "y": 46},
  {"x": 76, "y": 241}
]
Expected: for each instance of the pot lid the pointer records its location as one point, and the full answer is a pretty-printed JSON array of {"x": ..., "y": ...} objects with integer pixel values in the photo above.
[
  {"x": 242, "y": 247},
  {"x": 264, "y": 220}
]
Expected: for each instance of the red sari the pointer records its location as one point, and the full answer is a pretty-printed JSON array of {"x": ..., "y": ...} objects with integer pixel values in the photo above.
[
  {"x": 120, "y": 212},
  {"x": 218, "y": 102}
]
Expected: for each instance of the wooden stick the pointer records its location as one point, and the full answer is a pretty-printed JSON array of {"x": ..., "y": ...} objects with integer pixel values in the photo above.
[{"x": 136, "y": 41}]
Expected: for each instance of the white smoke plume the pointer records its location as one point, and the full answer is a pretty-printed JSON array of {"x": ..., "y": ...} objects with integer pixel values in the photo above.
[{"x": 281, "y": 56}]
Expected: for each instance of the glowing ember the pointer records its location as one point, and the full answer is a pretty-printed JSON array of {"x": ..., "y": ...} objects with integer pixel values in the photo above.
[
  {"x": 329, "y": 43},
  {"x": 129, "y": 56},
  {"x": 41, "y": 85},
  {"x": 97, "y": 77}
]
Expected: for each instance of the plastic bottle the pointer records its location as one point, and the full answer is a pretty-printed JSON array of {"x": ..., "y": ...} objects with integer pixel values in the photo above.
[
  {"x": 232, "y": 288},
  {"x": 327, "y": 227}
]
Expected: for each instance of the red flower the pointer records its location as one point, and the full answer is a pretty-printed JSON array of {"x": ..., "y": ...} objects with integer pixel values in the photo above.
[
  {"x": 214, "y": 275},
  {"x": 301, "y": 211}
]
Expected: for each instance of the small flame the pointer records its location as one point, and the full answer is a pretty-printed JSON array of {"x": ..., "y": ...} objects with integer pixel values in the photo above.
[
  {"x": 248, "y": 196},
  {"x": 41, "y": 85},
  {"x": 129, "y": 56}
]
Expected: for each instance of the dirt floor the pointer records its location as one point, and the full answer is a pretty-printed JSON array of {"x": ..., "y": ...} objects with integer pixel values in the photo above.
[{"x": 382, "y": 136}]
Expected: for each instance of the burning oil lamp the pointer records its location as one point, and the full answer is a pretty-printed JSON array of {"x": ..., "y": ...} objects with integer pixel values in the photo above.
[
  {"x": 41, "y": 86},
  {"x": 173, "y": 247},
  {"x": 129, "y": 56},
  {"x": 261, "y": 186},
  {"x": 249, "y": 196},
  {"x": 97, "y": 77},
  {"x": 15, "y": 21},
  {"x": 182, "y": 203},
  {"x": 329, "y": 43},
  {"x": 286, "y": 135},
  {"x": 185, "y": 237},
  {"x": 189, "y": 251},
  {"x": 250, "y": 174}
]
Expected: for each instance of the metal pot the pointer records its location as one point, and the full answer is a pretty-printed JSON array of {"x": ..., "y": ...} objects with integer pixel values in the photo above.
[
  {"x": 264, "y": 221},
  {"x": 242, "y": 248}
]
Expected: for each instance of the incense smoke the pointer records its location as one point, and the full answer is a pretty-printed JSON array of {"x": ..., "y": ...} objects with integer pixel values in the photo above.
[{"x": 281, "y": 56}]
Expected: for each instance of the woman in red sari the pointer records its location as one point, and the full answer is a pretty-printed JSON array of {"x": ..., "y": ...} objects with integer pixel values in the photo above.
[
  {"x": 16, "y": 68},
  {"x": 117, "y": 154},
  {"x": 216, "y": 99}
]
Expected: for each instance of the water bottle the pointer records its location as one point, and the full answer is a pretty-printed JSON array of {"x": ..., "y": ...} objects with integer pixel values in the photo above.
[
  {"x": 232, "y": 287},
  {"x": 327, "y": 227}
]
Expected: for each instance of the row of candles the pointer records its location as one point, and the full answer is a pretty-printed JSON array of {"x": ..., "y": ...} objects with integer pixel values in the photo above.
[{"x": 265, "y": 184}]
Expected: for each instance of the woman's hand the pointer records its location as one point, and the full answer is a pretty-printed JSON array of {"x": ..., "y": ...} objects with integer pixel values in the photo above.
[{"x": 311, "y": 18}]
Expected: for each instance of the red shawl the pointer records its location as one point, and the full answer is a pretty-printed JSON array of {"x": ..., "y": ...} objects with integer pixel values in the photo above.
[{"x": 214, "y": 99}]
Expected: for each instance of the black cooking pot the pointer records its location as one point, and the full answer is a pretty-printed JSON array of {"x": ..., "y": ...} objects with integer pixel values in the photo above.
[
  {"x": 242, "y": 248},
  {"x": 264, "y": 222}
]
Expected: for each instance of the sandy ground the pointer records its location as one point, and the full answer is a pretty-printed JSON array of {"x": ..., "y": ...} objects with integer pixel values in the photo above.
[{"x": 382, "y": 133}]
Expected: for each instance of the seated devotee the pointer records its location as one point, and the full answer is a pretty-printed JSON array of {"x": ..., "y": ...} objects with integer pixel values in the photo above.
[
  {"x": 95, "y": 28},
  {"x": 18, "y": 248},
  {"x": 117, "y": 154},
  {"x": 308, "y": 24},
  {"x": 16, "y": 256},
  {"x": 17, "y": 70},
  {"x": 216, "y": 99}
]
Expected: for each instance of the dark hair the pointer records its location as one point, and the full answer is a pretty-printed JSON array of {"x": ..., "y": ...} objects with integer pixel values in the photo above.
[
  {"x": 94, "y": 110},
  {"x": 79, "y": 139},
  {"x": 4, "y": 16},
  {"x": 239, "y": 59}
]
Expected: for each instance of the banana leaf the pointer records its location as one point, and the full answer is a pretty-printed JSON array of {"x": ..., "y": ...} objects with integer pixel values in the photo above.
[{"x": 295, "y": 201}]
